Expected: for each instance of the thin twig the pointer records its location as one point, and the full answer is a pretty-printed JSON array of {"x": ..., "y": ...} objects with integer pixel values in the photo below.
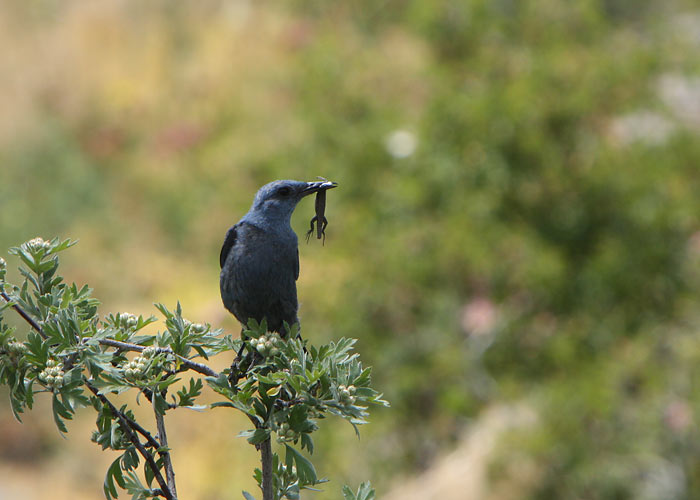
[
  {"x": 24, "y": 315},
  {"x": 149, "y": 437},
  {"x": 124, "y": 424},
  {"x": 167, "y": 462},
  {"x": 193, "y": 365}
]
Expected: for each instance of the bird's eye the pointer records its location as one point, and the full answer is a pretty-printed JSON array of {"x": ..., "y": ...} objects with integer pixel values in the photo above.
[{"x": 284, "y": 191}]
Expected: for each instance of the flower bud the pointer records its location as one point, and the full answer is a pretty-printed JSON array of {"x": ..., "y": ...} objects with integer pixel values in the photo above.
[
  {"x": 35, "y": 245},
  {"x": 198, "y": 328},
  {"x": 128, "y": 320},
  {"x": 16, "y": 348}
]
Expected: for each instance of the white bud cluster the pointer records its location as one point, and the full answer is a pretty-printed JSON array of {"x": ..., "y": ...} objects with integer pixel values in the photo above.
[
  {"x": 285, "y": 433},
  {"x": 136, "y": 368},
  {"x": 195, "y": 327},
  {"x": 37, "y": 244},
  {"x": 52, "y": 375},
  {"x": 268, "y": 345},
  {"x": 3, "y": 264},
  {"x": 128, "y": 320},
  {"x": 149, "y": 352},
  {"x": 15, "y": 347},
  {"x": 346, "y": 395},
  {"x": 15, "y": 351}
]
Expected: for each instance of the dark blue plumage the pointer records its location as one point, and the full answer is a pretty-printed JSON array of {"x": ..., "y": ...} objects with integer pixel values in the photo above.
[{"x": 260, "y": 256}]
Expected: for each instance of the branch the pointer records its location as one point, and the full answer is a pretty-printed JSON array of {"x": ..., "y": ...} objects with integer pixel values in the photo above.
[
  {"x": 149, "y": 438},
  {"x": 167, "y": 463},
  {"x": 266, "y": 458},
  {"x": 24, "y": 315},
  {"x": 124, "y": 423},
  {"x": 193, "y": 365}
]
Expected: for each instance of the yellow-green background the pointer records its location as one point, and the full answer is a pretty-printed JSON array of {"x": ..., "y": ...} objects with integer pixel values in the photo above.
[{"x": 536, "y": 255}]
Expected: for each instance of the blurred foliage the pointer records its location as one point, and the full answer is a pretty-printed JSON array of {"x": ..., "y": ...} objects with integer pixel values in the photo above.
[{"x": 535, "y": 243}]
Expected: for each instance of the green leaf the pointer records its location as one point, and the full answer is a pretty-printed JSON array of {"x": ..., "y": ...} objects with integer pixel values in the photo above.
[
  {"x": 38, "y": 350},
  {"x": 60, "y": 412},
  {"x": 258, "y": 436},
  {"x": 200, "y": 350},
  {"x": 364, "y": 492},
  {"x": 348, "y": 494},
  {"x": 305, "y": 469},
  {"x": 248, "y": 496},
  {"x": 115, "y": 435},
  {"x": 187, "y": 395},
  {"x": 114, "y": 473},
  {"x": 130, "y": 458},
  {"x": 164, "y": 310},
  {"x": 297, "y": 417},
  {"x": 165, "y": 383},
  {"x": 135, "y": 488},
  {"x": 307, "y": 442},
  {"x": 160, "y": 405},
  {"x": 222, "y": 404},
  {"x": 273, "y": 391},
  {"x": 260, "y": 408},
  {"x": 59, "y": 247}
]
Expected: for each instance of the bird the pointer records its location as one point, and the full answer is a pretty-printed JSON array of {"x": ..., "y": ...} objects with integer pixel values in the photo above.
[{"x": 260, "y": 257}]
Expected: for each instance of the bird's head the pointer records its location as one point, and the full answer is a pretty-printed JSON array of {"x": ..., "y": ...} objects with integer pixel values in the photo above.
[{"x": 278, "y": 199}]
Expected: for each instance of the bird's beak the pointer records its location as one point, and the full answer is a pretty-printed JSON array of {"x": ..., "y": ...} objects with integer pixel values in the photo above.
[{"x": 314, "y": 187}]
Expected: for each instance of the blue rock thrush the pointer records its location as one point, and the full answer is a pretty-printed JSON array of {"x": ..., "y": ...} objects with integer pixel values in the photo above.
[{"x": 260, "y": 257}]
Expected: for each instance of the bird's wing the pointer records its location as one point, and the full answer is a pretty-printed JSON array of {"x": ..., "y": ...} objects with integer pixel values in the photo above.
[
  {"x": 296, "y": 266},
  {"x": 229, "y": 241}
]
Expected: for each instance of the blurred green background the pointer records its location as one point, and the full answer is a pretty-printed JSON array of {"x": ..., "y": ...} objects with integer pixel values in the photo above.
[{"x": 515, "y": 239}]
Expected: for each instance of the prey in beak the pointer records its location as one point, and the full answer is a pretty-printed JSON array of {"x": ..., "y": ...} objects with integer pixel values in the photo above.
[{"x": 320, "y": 188}]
